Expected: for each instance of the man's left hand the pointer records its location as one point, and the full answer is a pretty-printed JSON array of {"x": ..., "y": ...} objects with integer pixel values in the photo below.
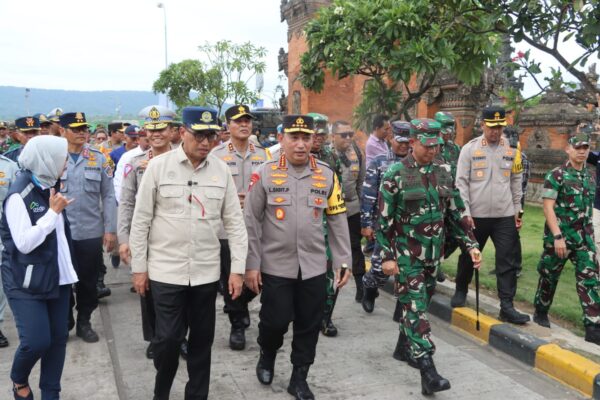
[
  {"x": 236, "y": 281},
  {"x": 518, "y": 222},
  {"x": 342, "y": 280},
  {"x": 110, "y": 241}
]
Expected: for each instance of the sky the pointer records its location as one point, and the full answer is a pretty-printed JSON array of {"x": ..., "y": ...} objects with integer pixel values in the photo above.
[{"x": 119, "y": 45}]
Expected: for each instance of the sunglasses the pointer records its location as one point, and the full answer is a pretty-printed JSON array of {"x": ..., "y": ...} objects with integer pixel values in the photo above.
[
  {"x": 346, "y": 135},
  {"x": 203, "y": 135}
]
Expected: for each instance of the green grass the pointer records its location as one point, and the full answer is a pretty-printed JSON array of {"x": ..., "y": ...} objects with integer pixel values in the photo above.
[{"x": 566, "y": 303}]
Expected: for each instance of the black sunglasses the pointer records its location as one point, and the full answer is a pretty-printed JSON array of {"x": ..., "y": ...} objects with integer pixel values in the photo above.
[{"x": 346, "y": 135}]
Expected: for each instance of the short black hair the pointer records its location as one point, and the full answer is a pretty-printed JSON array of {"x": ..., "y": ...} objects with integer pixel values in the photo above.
[
  {"x": 379, "y": 121},
  {"x": 337, "y": 124}
]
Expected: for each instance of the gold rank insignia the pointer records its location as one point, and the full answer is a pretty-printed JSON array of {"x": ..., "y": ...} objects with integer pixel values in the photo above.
[
  {"x": 79, "y": 117},
  {"x": 257, "y": 158},
  {"x": 274, "y": 167},
  {"x": 206, "y": 116},
  {"x": 91, "y": 163},
  {"x": 2, "y": 174},
  {"x": 279, "y": 199},
  {"x": 279, "y": 213},
  {"x": 279, "y": 175},
  {"x": 319, "y": 178},
  {"x": 227, "y": 158},
  {"x": 29, "y": 121},
  {"x": 241, "y": 109},
  {"x": 354, "y": 168},
  {"x": 319, "y": 185},
  {"x": 2, "y": 183},
  {"x": 478, "y": 153},
  {"x": 279, "y": 182},
  {"x": 154, "y": 114},
  {"x": 483, "y": 142}
]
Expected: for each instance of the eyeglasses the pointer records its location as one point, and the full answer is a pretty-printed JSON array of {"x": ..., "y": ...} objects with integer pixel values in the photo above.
[
  {"x": 80, "y": 129},
  {"x": 203, "y": 135},
  {"x": 346, "y": 135}
]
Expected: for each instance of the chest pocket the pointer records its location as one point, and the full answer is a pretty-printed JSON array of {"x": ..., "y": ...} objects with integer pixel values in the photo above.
[
  {"x": 574, "y": 193},
  {"x": 318, "y": 204},
  {"x": 92, "y": 181},
  {"x": 479, "y": 170},
  {"x": 235, "y": 170},
  {"x": 414, "y": 200},
  {"x": 213, "y": 200},
  {"x": 35, "y": 273},
  {"x": 172, "y": 198}
]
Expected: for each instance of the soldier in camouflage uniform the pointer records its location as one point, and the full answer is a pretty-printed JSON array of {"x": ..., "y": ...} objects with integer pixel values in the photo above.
[
  {"x": 449, "y": 150},
  {"x": 375, "y": 278},
  {"x": 416, "y": 195},
  {"x": 569, "y": 234},
  {"x": 4, "y": 139},
  {"x": 325, "y": 154}
]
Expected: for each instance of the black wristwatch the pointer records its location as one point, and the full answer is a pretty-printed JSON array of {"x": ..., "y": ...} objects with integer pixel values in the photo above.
[{"x": 558, "y": 237}]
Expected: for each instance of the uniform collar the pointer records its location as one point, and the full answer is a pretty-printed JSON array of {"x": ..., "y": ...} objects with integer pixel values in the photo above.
[{"x": 232, "y": 149}]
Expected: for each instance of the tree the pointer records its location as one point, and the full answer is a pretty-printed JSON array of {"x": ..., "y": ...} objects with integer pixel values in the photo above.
[
  {"x": 224, "y": 77},
  {"x": 394, "y": 41},
  {"x": 552, "y": 26}
]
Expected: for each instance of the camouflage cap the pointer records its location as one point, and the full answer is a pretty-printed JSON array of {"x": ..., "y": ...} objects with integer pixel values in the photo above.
[
  {"x": 427, "y": 131},
  {"x": 400, "y": 127},
  {"x": 579, "y": 140},
  {"x": 444, "y": 118},
  {"x": 321, "y": 122}
]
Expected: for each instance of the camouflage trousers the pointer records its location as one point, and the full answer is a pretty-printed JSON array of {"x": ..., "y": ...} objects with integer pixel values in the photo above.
[
  {"x": 374, "y": 277},
  {"x": 415, "y": 284},
  {"x": 330, "y": 275},
  {"x": 586, "y": 276}
]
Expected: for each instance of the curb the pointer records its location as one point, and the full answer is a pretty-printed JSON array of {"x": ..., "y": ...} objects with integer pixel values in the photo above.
[{"x": 562, "y": 365}]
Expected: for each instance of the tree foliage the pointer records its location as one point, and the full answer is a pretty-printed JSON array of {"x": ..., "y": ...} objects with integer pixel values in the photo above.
[
  {"x": 553, "y": 26},
  {"x": 390, "y": 41},
  {"x": 223, "y": 76}
]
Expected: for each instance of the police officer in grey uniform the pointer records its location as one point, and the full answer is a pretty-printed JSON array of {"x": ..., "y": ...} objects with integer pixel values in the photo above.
[
  {"x": 158, "y": 130},
  {"x": 353, "y": 176},
  {"x": 29, "y": 127},
  {"x": 489, "y": 176},
  {"x": 88, "y": 180},
  {"x": 8, "y": 171},
  {"x": 243, "y": 158},
  {"x": 284, "y": 212}
]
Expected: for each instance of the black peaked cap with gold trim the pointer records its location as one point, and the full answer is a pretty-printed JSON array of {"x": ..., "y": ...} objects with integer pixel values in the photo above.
[
  {"x": 298, "y": 123},
  {"x": 238, "y": 111}
]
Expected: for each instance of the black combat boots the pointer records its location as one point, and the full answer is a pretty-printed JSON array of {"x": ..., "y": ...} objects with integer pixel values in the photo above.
[
  {"x": 237, "y": 338},
  {"x": 265, "y": 368},
  {"x": 541, "y": 318},
  {"x": 431, "y": 381},
  {"x": 368, "y": 300},
  {"x": 359, "y": 288},
  {"x": 592, "y": 333},
  {"x": 298, "y": 386},
  {"x": 327, "y": 327},
  {"x": 509, "y": 314},
  {"x": 402, "y": 353},
  {"x": 459, "y": 299}
]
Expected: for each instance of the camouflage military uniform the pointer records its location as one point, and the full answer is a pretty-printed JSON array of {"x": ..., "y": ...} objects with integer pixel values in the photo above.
[
  {"x": 574, "y": 194},
  {"x": 375, "y": 277},
  {"x": 450, "y": 152},
  {"x": 329, "y": 157},
  {"x": 413, "y": 203}
]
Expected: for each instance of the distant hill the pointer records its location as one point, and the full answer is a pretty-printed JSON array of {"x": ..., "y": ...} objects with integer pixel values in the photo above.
[{"x": 93, "y": 103}]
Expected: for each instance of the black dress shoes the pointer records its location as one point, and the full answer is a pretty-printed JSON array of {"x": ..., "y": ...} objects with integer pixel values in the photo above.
[
  {"x": 3, "y": 340},
  {"x": 86, "y": 333}
]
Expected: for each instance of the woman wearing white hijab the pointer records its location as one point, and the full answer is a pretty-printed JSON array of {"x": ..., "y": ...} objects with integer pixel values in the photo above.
[{"x": 37, "y": 268}]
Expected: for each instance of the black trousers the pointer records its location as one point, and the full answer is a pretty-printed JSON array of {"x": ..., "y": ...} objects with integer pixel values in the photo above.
[
  {"x": 88, "y": 254},
  {"x": 284, "y": 300},
  {"x": 505, "y": 237},
  {"x": 236, "y": 309},
  {"x": 358, "y": 258},
  {"x": 178, "y": 307},
  {"x": 148, "y": 315}
]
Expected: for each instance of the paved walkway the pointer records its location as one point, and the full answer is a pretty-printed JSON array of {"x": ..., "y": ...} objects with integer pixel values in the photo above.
[{"x": 355, "y": 365}]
